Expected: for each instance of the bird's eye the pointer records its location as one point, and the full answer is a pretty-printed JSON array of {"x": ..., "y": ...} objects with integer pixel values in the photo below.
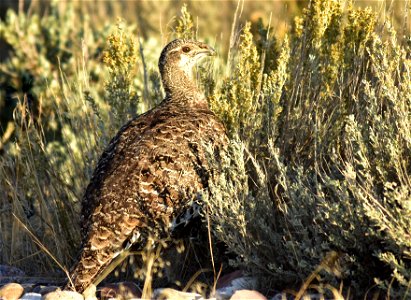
[{"x": 186, "y": 49}]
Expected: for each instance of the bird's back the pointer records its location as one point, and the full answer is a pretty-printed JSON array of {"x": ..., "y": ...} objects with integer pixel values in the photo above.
[
  {"x": 152, "y": 170},
  {"x": 150, "y": 173}
]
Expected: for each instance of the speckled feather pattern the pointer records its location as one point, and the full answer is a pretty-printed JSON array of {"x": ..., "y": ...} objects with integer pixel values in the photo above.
[{"x": 152, "y": 170}]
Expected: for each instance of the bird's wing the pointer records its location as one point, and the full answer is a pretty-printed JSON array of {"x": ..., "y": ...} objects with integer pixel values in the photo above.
[{"x": 149, "y": 173}]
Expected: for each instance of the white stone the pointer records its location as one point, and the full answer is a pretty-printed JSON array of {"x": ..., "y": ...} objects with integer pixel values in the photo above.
[
  {"x": 63, "y": 295},
  {"x": 31, "y": 296}
]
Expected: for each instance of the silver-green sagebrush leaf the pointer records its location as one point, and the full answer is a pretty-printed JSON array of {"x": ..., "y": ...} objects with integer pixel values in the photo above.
[{"x": 321, "y": 139}]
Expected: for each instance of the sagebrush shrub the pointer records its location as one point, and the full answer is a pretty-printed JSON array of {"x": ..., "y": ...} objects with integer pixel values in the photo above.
[
  {"x": 318, "y": 177},
  {"x": 330, "y": 176}
]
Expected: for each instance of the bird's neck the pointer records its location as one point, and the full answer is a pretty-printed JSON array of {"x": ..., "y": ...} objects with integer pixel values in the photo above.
[{"x": 181, "y": 88}]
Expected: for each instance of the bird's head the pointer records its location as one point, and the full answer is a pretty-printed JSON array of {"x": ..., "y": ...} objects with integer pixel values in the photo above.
[
  {"x": 176, "y": 65},
  {"x": 184, "y": 54}
]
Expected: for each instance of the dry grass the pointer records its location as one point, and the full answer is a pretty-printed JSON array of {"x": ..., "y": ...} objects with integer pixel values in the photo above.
[{"x": 319, "y": 117}]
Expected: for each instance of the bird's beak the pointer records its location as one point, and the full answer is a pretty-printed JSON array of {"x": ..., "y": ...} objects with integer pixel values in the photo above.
[
  {"x": 211, "y": 51},
  {"x": 206, "y": 51}
]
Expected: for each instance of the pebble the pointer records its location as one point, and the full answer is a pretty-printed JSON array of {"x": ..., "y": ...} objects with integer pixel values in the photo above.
[
  {"x": 247, "y": 294},
  {"x": 172, "y": 294},
  {"x": 63, "y": 295},
  {"x": 232, "y": 286},
  {"x": 229, "y": 287},
  {"x": 11, "y": 291},
  {"x": 226, "y": 279},
  {"x": 31, "y": 296}
]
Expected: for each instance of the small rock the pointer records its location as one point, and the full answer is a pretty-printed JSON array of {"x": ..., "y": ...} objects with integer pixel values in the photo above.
[
  {"x": 90, "y": 292},
  {"x": 172, "y": 294},
  {"x": 226, "y": 279},
  {"x": 247, "y": 294},
  {"x": 11, "y": 291},
  {"x": 31, "y": 296},
  {"x": 235, "y": 283},
  {"x": 63, "y": 295}
]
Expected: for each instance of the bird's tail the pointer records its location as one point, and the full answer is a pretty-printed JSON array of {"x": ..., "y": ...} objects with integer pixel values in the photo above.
[
  {"x": 93, "y": 267},
  {"x": 103, "y": 251}
]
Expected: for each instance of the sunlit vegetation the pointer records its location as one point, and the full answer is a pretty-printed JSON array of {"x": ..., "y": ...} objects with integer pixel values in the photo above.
[{"x": 317, "y": 190}]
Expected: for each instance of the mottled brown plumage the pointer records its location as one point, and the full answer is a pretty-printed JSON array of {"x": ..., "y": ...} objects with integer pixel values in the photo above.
[{"x": 152, "y": 170}]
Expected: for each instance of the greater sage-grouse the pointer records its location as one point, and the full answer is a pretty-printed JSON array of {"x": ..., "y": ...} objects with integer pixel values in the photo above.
[{"x": 149, "y": 176}]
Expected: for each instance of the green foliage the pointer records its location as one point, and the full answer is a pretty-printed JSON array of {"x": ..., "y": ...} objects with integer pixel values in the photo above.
[
  {"x": 238, "y": 100},
  {"x": 317, "y": 176},
  {"x": 42, "y": 50},
  {"x": 120, "y": 57},
  {"x": 185, "y": 25},
  {"x": 53, "y": 95},
  {"x": 334, "y": 174},
  {"x": 42, "y": 171}
]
